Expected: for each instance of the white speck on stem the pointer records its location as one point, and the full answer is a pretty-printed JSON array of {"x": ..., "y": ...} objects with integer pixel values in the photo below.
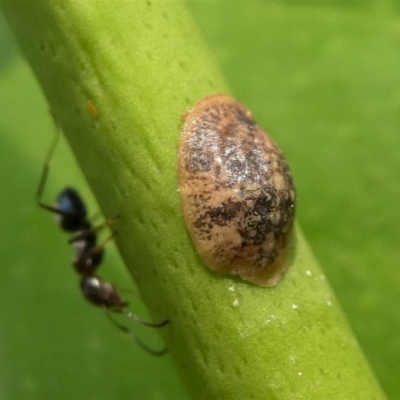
[
  {"x": 295, "y": 306},
  {"x": 329, "y": 303},
  {"x": 300, "y": 373},
  {"x": 308, "y": 272},
  {"x": 236, "y": 303},
  {"x": 231, "y": 288}
]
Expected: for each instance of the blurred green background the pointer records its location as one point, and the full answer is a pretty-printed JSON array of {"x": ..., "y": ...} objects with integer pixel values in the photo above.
[{"x": 324, "y": 79}]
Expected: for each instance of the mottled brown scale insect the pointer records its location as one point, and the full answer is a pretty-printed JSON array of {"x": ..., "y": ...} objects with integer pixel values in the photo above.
[{"x": 238, "y": 196}]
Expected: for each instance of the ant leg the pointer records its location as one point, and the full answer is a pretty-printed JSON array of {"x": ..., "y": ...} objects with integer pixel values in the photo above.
[
  {"x": 90, "y": 231},
  {"x": 95, "y": 217},
  {"x": 134, "y": 317},
  {"x": 143, "y": 322},
  {"x": 134, "y": 337},
  {"x": 99, "y": 248}
]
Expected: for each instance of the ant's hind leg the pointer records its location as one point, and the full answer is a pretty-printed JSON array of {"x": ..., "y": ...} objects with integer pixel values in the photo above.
[
  {"x": 143, "y": 322},
  {"x": 127, "y": 331}
]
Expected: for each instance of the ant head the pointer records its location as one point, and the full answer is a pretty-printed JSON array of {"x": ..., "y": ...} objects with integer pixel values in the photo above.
[{"x": 72, "y": 211}]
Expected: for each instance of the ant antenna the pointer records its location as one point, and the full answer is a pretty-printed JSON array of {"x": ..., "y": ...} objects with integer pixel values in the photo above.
[
  {"x": 45, "y": 173},
  {"x": 127, "y": 331},
  {"x": 69, "y": 208}
]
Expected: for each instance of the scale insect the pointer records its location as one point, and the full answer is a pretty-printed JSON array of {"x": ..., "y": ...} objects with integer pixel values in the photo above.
[
  {"x": 71, "y": 216},
  {"x": 237, "y": 192}
]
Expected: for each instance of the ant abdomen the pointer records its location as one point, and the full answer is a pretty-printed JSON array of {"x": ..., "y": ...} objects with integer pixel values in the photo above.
[{"x": 101, "y": 293}]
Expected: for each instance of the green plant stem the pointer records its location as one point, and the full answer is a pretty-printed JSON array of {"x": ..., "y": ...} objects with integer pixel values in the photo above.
[{"x": 142, "y": 64}]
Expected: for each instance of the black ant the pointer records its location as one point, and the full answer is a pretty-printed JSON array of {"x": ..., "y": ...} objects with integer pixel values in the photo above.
[{"x": 71, "y": 216}]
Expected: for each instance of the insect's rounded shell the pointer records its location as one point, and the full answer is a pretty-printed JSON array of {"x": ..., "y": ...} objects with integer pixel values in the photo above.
[{"x": 237, "y": 191}]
